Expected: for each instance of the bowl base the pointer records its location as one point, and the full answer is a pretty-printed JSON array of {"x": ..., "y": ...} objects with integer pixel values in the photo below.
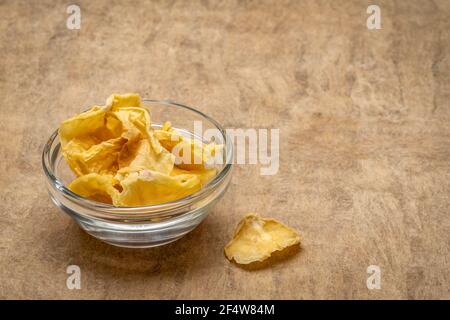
[{"x": 140, "y": 245}]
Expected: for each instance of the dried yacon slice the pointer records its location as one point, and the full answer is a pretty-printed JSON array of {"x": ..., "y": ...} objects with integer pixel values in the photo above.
[
  {"x": 167, "y": 126},
  {"x": 126, "y": 116},
  {"x": 84, "y": 124},
  {"x": 190, "y": 154},
  {"x": 91, "y": 141},
  {"x": 95, "y": 187},
  {"x": 120, "y": 159},
  {"x": 167, "y": 138},
  {"x": 84, "y": 157},
  {"x": 113, "y": 127},
  {"x": 148, "y": 187},
  {"x": 140, "y": 154},
  {"x": 136, "y": 125},
  {"x": 134, "y": 117},
  {"x": 204, "y": 175},
  {"x": 201, "y": 155},
  {"x": 256, "y": 238}
]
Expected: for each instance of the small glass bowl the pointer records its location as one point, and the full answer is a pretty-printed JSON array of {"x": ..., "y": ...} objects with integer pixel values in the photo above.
[{"x": 144, "y": 226}]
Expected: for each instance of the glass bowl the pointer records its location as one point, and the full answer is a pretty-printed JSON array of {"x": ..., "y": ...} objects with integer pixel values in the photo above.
[{"x": 144, "y": 226}]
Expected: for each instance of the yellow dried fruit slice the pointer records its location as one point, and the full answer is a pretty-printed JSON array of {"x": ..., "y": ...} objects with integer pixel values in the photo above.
[
  {"x": 167, "y": 126},
  {"x": 95, "y": 187},
  {"x": 120, "y": 159},
  {"x": 148, "y": 187},
  {"x": 135, "y": 118},
  {"x": 167, "y": 138},
  {"x": 140, "y": 154},
  {"x": 204, "y": 175},
  {"x": 190, "y": 154},
  {"x": 84, "y": 157},
  {"x": 256, "y": 238},
  {"x": 127, "y": 116},
  {"x": 84, "y": 124}
]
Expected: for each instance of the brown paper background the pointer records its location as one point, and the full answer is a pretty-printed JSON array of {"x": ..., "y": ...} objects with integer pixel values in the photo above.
[{"x": 364, "y": 163}]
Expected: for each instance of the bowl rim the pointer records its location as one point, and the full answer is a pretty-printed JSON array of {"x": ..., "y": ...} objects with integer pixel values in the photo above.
[{"x": 219, "y": 177}]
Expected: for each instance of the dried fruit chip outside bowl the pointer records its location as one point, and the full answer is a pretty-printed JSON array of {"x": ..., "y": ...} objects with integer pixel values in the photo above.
[{"x": 256, "y": 238}]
